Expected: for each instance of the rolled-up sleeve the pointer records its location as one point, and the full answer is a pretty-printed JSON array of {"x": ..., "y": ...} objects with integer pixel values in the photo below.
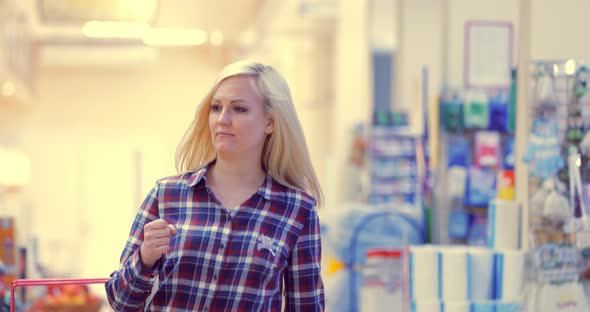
[
  {"x": 304, "y": 288},
  {"x": 129, "y": 286}
]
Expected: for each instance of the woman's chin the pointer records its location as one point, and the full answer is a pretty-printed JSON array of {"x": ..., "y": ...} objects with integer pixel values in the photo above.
[{"x": 225, "y": 151}]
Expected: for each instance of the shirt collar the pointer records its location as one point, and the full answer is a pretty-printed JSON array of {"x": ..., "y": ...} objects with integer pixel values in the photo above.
[
  {"x": 199, "y": 175},
  {"x": 266, "y": 189}
]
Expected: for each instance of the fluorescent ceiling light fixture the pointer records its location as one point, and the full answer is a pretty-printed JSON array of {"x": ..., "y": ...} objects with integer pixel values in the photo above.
[
  {"x": 570, "y": 67},
  {"x": 216, "y": 38},
  {"x": 175, "y": 36},
  {"x": 151, "y": 36},
  {"x": 15, "y": 168},
  {"x": 104, "y": 29}
]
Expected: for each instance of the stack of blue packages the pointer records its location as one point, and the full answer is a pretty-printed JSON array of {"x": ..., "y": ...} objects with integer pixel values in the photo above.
[{"x": 351, "y": 231}]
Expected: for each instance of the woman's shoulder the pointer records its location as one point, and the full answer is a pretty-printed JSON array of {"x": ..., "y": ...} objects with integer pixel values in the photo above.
[{"x": 291, "y": 195}]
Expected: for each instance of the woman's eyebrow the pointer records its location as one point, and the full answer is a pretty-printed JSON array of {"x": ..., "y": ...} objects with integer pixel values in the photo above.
[{"x": 235, "y": 101}]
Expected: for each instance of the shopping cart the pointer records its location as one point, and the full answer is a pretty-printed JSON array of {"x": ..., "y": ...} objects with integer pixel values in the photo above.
[{"x": 50, "y": 282}]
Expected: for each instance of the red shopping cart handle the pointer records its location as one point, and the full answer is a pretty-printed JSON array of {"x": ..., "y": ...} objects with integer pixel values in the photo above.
[{"x": 50, "y": 282}]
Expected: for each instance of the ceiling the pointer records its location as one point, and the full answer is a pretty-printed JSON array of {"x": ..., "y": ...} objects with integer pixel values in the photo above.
[
  {"x": 64, "y": 43},
  {"x": 231, "y": 17}
]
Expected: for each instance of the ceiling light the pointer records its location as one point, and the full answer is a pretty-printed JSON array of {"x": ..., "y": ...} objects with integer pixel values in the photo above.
[
  {"x": 15, "y": 168},
  {"x": 570, "y": 67},
  {"x": 102, "y": 29},
  {"x": 175, "y": 36}
]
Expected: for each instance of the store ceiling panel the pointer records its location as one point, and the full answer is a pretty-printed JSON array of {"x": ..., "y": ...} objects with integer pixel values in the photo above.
[
  {"x": 63, "y": 18},
  {"x": 68, "y": 32},
  {"x": 231, "y": 17},
  {"x": 76, "y": 11}
]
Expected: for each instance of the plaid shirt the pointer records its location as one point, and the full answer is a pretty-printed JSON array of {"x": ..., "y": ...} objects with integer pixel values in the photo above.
[{"x": 220, "y": 260}]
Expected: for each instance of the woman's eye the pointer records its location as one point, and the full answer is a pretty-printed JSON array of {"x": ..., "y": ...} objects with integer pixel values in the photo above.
[
  {"x": 240, "y": 109},
  {"x": 215, "y": 107}
]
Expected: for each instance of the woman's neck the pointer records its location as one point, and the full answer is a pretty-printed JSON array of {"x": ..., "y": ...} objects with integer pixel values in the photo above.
[{"x": 237, "y": 172}]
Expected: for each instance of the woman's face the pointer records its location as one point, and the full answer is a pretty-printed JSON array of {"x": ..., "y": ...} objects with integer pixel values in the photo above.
[{"x": 238, "y": 121}]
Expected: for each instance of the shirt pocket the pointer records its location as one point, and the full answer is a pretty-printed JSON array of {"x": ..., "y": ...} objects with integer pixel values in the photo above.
[{"x": 268, "y": 267}]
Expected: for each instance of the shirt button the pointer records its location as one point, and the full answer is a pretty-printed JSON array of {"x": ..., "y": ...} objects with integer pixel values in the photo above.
[
  {"x": 222, "y": 247},
  {"x": 215, "y": 277}
]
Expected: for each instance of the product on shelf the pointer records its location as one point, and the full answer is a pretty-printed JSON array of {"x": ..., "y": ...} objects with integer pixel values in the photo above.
[
  {"x": 559, "y": 220},
  {"x": 67, "y": 298},
  {"x": 479, "y": 145},
  {"x": 7, "y": 252}
]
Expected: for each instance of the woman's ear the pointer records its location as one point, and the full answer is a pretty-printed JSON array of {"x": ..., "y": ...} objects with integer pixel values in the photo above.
[{"x": 270, "y": 125}]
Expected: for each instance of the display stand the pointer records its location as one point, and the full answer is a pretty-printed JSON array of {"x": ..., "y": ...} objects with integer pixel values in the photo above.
[{"x": 558, "y": 171}]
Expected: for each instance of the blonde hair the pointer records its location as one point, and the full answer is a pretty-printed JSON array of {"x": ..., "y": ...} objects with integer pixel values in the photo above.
[{"x": 285, "y": 155}]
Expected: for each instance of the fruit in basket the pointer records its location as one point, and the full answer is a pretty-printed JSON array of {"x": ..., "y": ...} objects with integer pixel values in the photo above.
[
  {"x": 92, "y": 298},
  {"x": 37, "y": 306},
  {"x": 59, "y": 298},
  {"x": 51, "y": 299},
  {"x": 73, "y": 290},
  {"x": 74, "y": 294}
]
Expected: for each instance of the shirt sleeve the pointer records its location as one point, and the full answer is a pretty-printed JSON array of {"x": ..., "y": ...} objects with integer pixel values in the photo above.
[
  {"x": 304, "y": 289},
  {"x": 129, "y": 286}
]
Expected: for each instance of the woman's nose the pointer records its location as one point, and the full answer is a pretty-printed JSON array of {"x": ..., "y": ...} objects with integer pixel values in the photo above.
[{"x": 224, "y": 117}]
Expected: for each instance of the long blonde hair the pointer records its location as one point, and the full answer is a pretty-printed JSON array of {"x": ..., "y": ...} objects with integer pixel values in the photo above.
[{"x": 284, "y": 155}]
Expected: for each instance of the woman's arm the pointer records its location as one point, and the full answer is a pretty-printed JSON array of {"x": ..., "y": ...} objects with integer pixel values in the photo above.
[
  {"x": 128, "y": 288},
  {"x": 304, "y": 289}
]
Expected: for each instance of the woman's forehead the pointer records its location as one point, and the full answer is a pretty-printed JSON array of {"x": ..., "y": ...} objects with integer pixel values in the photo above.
[{"x": 237, "y": 87}]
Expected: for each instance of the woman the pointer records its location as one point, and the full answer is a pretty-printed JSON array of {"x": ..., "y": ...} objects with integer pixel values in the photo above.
[{"x": 238, "y": 230}]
